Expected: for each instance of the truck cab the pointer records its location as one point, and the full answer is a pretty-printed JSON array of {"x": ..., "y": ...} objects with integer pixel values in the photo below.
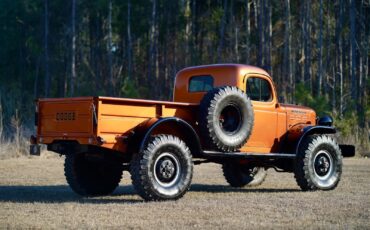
[{"x": 272, "y": 119}]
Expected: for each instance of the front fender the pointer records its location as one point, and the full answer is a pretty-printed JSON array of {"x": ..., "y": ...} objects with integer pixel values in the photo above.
[{"x": 309, "y": 130}]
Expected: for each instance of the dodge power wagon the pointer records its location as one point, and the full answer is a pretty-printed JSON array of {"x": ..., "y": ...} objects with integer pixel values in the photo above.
[{"x": 227, "y": 114}]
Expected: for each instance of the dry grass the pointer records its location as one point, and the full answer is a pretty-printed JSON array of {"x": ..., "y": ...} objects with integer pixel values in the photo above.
[
  {"x": 14, "y": 149},
  {"x": 34, "y": 194}
]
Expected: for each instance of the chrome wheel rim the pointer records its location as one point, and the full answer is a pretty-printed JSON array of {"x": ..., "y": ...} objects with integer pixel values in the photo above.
[
  {"x": 166, "y": 169},
  {"x": 323, "y": 165}
]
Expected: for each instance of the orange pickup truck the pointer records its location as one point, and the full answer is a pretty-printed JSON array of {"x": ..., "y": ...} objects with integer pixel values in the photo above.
[{"x": 227, "y": 114}]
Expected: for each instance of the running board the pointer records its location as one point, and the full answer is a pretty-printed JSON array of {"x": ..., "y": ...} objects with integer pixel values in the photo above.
[{"x": 248, "y": 155}]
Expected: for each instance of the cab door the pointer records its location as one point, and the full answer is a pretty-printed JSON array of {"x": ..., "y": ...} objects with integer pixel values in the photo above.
[{"x": 259, "y": 88}]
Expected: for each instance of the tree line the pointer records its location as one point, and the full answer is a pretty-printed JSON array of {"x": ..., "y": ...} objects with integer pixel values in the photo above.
[{"x": 316, "y": 51}]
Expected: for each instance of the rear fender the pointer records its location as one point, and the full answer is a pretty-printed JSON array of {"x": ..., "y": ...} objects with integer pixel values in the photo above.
[
  {"x": 309, "y": 130},
  {"x": 173, "y": 126}
]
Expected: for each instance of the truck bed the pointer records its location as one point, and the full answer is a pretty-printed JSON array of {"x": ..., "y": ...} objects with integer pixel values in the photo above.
[{"x": 88, "y": 120}]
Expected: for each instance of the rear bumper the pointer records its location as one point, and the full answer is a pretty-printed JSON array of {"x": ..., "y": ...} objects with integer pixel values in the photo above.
[{"x": 347, "y": 150}]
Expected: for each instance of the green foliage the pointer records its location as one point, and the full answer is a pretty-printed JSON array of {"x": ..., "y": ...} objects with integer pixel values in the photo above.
[
  {"x": 304, "y": 97},
  {"x": 346, "y": 124},
  {"x": 350, "y": 132},
  {"x": 186, "y": 33},
  {"x": 129, "y": 89},
  {"x": 216, "y": 16}
]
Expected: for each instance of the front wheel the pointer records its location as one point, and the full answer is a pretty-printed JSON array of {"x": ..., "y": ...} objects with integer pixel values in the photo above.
[
  {"x": 163, "y": 171},
  {"x": 318, "y": 164}
]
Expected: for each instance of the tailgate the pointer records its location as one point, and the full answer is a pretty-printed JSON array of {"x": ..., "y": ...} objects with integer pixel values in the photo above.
[{"x": 66, "y": 119}]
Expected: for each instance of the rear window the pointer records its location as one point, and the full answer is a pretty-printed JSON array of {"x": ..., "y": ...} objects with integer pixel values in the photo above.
[{"x": 200, "y": 83}]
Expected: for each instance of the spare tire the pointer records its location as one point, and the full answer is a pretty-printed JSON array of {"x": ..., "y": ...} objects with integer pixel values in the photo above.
[{"x": 226, "y": 118}]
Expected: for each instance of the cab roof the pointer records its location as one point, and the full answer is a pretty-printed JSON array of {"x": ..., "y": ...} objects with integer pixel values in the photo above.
[
  {"x": 222, "y": 75},
  {"x": 241, "y": 68}
]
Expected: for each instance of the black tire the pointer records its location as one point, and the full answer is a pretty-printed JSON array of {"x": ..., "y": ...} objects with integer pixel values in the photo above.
[
  {"x": 91, "y": 178},
  {"x": 238, "y": 175},
  {"x": 163, "y": 171},
  {"x": 225, "y": 118},
  {"x": 318, "y": 164}
]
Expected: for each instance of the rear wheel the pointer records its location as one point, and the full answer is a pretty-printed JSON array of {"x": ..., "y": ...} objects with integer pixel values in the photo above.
[
  {"x": 91, "y": 178},
  {"x": 163, "y": 171},
  {"x": 238, "y": 175},
  {"x": 318, "y": 164}
]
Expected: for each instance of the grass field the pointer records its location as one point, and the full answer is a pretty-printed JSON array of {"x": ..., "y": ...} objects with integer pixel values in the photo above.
[{"x": 34, "y": 194}]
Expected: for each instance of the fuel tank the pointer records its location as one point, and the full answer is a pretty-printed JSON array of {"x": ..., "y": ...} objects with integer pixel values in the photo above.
[{"x": 298, "y": 117}]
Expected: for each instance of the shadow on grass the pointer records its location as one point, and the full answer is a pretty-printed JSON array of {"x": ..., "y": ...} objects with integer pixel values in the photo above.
[
  {"x": 59, "y": 194},
  {"x": 226, "y": 189},
  {"x": 63, "y": 194}
]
